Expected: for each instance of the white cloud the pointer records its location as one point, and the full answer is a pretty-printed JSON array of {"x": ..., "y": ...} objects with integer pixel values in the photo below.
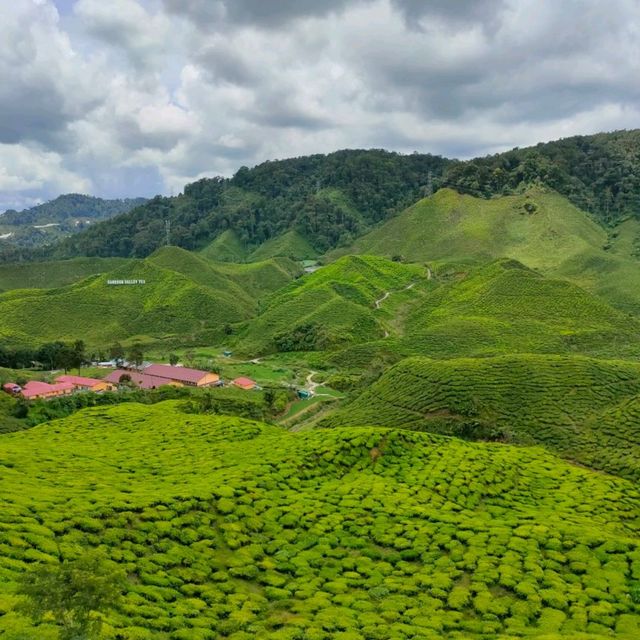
[{"x": 133, "y": 96}]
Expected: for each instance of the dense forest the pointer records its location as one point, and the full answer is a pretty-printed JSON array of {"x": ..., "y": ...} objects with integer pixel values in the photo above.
[
  {"x": 332, "y": 199},
  {"x": 52, "y": 221},
  {"x": 599, "y": 173},
  {"x": 70, "y": 206}
]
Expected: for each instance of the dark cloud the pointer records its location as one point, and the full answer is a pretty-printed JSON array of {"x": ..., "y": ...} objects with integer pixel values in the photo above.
[
  {"x": 454, "y": 12},
  {"x": 261, "y": 13}
]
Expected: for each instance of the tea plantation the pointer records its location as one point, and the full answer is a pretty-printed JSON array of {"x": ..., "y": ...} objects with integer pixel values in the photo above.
[
  {"x": 231, "y": 528},
  {"x": 336, "y": 304},
  {"x": 582, "y": 408}
]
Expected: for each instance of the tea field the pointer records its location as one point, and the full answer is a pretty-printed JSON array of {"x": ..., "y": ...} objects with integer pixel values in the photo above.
[
  {"x": 584, "y": 409},
  {"x": 231, "y": 528}
]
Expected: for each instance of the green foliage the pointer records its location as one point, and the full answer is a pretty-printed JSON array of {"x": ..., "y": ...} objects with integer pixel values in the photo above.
[
  {"x": 184, "y": 295},
  {"x": 228, "y": 527},
  {"x": 584, "y": 409},
  {"x": 66, "y": 215},
  {"x": 598, "y": 173},
  {"x": 75, "y": 593},
  {"x": 333, "y": 306},
  {"x": 558, "y": 239},
  {"x": 329, "y": 199}
]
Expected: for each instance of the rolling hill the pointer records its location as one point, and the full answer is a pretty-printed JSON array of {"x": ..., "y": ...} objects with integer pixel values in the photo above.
[
  {"x": 540, "y": 228},
  {"x": 231, "y": 528},
  {"x": 581, "y": 408},
  {"x": 505, "y": 307},
  {"x": 333, "y": 306},
  {"x": 183, "y": 297},
  {"x": 58, "y": 273}
]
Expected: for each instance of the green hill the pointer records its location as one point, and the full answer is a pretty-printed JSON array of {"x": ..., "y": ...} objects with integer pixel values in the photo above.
[
  {"x": 49, "y": 275},
  {"x": 231, "y": 528},
  {"x": 183, "y": 296},
  {"x": 540, "y": 228},
  {"x": 582, "y": 408},
  {"x": 505, "y": 307},
  {"x": 329, "y": 199},
  {"x": 598, "y": 173},
  {"x": 290, "y": 244},
  {"x": 227, "y": 247},
  {"x": 333, "y": 306}
]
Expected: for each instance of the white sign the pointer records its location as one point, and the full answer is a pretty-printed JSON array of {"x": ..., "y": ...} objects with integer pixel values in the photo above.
[{"x": 126, "y": 282}]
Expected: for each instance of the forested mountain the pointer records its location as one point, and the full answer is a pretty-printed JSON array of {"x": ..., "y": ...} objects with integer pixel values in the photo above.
[
  {"x": 598, "y": 173},
  {"x": 47, "y": 223},
  {"x": 71, "y": 206},
  {"x": 330, "y": 199}
]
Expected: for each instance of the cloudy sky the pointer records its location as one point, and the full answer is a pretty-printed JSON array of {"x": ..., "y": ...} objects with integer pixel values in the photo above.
[{"x": 137, "y": 97}]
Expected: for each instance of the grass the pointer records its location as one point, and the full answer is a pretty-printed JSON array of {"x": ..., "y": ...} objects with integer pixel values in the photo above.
[
  {"x": 231, "y": 528},
  {"x": 554, "y": 237},
  {"x": 581, "y": 408},
  {"x": 227, "y": 247}
]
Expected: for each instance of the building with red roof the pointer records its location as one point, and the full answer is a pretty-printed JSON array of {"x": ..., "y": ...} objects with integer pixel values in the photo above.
[
  {"x": 36, "y": 390},
  {"x": 141, "y": 380},
  {"x": 86, "y": 384},
  {"x": 183, "y": 375},
  {"x": 244, "y": 383},
  {"x": 12, "y": 388}
]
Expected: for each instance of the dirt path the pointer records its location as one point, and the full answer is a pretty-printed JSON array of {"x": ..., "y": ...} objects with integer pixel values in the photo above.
[
  {"x": 429, "y": 274},
  {"x": 379, "y": 301},
  {"x": 311, "y": 385}
]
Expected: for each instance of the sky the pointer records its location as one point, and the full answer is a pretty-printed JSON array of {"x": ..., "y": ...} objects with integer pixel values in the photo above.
[{"x": 121, "y": 98}]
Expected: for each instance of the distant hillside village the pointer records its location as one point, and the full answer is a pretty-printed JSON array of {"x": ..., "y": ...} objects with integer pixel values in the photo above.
[{"x": 149, "y": 376}]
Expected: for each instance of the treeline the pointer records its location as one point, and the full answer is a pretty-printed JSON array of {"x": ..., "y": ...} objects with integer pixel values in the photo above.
[
  {"x": 330, "y": 199},
  {"x": 52, "y": 355},
  {"x": 599, "y": 173}
]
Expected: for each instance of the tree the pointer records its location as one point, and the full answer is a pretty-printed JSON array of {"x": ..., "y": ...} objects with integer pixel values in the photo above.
[
  {"x": 78, "y": 354},
  {"x": 117, "y": 353},
  {"x": 136, "y": 355},
  {"x": 173, "y": 359},
  {"x": 75, "y": 593}
]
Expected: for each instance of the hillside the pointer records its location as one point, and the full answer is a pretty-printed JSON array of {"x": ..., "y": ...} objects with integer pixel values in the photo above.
[
  {"x": 505, "y": 307},
  {"x": 290, "y": 244},
  {"x": 183, "y": 297},
  {"x": 539, "y": 228},
  {"x": 227, "y": 527},
  {"x": 226, "y": 247},
  {"x": 56, "y": 219},
  {"x": 581, "y": 408},
  {"x": 598, "y": 173},
  {"x": 333, "y": 306},
  {"x": 329, "y": 199},
  {"x": 49, "y": 275}
]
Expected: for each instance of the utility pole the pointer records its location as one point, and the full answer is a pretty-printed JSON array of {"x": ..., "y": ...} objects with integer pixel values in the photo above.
[
  {"x": 167, "y": 232},
  {"x": 429, "y": 187}
]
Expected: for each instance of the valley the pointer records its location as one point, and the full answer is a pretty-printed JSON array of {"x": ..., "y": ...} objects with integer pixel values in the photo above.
[{"x": 439, "y": 435}]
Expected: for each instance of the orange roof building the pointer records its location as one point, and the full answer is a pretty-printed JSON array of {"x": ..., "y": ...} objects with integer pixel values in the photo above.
[
  {"x": 244, "y": 383},
  {"x": 35, "y": 390},
  {"x": 87, "y": 384}
]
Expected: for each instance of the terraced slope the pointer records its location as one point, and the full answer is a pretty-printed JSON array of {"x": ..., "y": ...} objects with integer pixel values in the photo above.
[
  {"x": 582, "y": 408},
  {"x": 335, "y": 305},
  {"x": 539, "y": 228},
  {"x": 230, "y": 528},
  {"x": 505, "y": 307},
  {"x": 58, "y": 273}
]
